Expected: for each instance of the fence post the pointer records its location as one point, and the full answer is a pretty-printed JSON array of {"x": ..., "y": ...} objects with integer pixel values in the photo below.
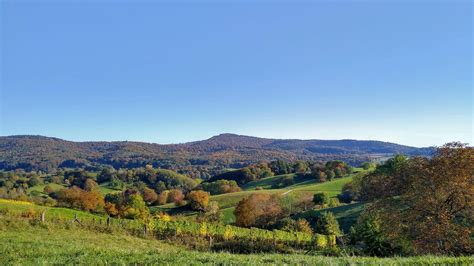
[
  {"x": 42, "y": 216},
  {"x": 145, "y": 229},
  {"x": 108, "y": 221},
  {"x": 76, "y": 220}
]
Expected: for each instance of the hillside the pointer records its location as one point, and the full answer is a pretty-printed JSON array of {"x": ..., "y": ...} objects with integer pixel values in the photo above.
[
  {"x": 27, "y": 242},
  {"x": 225, "y": 150}
]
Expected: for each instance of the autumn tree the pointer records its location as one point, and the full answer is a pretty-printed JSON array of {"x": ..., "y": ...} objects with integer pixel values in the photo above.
[
  {"x": 90, "y": 185},
  {"x": 428, "y": 201},
  {"x": 126, "y": 204},
  {"x": 258, "y": 210},
  {"x": 198, "y": 200},
  {"x": 176, "y": 196},
  {"x": 149, "y": 195},
  {"x": 81, "y": 199}
]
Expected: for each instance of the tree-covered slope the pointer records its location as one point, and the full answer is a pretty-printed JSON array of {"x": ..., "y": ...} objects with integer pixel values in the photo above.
[{"x": 226, "y": 150}]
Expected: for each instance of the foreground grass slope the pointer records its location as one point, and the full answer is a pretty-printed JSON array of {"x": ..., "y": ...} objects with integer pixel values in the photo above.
[{"x": 24, "y": 244}]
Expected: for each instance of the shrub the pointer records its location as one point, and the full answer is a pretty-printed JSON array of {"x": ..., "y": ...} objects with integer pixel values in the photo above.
[{"x": 30, "y": 214}]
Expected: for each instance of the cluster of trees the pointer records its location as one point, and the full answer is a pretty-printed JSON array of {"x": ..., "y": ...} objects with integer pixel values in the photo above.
[
  {"x": 419, "y": 205},
  {"x": 246, "y": 174},
  {"x": 319, "y": 171},
  {"x": 220, "y": 186},
  {"x": 126, "y": 204},
  {"x": 77, "y": 198},
  {"x": 264, "y": 210},
  {"x": 331, "y": 170}
]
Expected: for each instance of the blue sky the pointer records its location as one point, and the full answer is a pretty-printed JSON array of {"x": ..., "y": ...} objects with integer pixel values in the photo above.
[{"x": 167, "y": 72}]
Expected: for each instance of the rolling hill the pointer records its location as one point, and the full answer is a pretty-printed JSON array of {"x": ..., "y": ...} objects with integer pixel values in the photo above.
[{"x": 225, "y": 150}]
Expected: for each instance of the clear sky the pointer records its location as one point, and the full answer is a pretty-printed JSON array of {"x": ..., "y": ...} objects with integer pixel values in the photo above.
[{"x": 398, "y": 71}]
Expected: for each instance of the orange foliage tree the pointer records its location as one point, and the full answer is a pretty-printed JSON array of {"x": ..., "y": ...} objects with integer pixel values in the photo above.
[
  {"x": 198, "y": 200},
  {"x": 430, "y": 202},
  {"x": 258, "y": 210}
]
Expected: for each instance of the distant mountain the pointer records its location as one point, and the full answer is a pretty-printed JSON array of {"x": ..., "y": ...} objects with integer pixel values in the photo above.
[{"x": 225, "y": 150}]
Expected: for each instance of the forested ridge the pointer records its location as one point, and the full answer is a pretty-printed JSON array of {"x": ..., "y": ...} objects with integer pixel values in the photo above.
[{"x": 222, "y": 151}]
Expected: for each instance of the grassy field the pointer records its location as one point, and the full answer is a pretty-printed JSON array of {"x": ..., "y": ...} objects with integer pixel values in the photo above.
[
  {"x": 23, "y": 244},
  {"x": 331, "y": 187},
  {"x": 227, "y": 202},
  {"x": 39, "y": 188},
  {"x": 21, "y": 206}
]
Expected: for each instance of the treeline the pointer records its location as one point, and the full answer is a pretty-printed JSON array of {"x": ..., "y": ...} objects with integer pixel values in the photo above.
[{"x": 321, "y": 172}]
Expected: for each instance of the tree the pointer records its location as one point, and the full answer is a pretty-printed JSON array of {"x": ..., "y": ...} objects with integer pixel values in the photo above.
[
  {"x": 327, "y": 224},
  {"x": 321, "y": 198},
  {"x": 212, "y": 212},
  {"x": 347, "y": 193},
  {"x": 163, "y": 197},
  {"x": 368, "y": 165},
  {"x": 149, "y": 195},
  {"x": 300, "y": 167},
  {"x": 127, "y": 204},
  {"x": 330, "y": 174},
  {"x": 427, "y": 201},
  {"x": 176, "y": 196},
  {"x": 260, "y": 210},
  {"x": 90, "y": 185},
  {"x": 280, "y": 167},
  {"x": 198, "y": 200},
  {"x": 81, "y": 199},
  {"x": 368, "y": 230},
  {"x": 106, "y": 175},
  {"x": 34, "y": 181}
]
